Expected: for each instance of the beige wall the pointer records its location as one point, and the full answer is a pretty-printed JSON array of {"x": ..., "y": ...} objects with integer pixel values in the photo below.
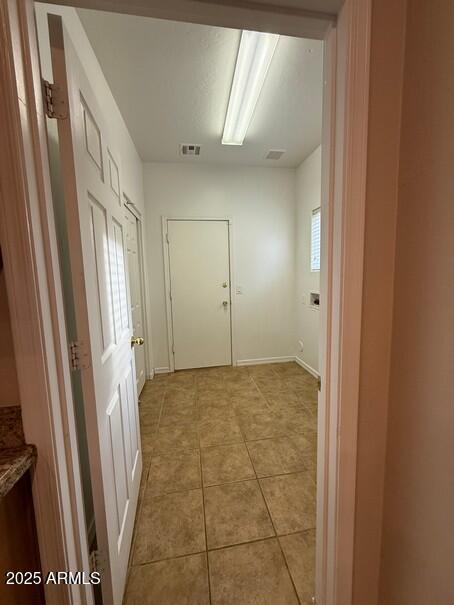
[
  {"x": 387, "y": 51},
  {"x": 418, "y": 545},
  {"x": 9, "y": 390}
]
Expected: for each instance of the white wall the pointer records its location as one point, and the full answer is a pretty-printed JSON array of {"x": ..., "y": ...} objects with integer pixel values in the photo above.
[
  {"x": 130, "y": 164},
  {"x": 308, "y": 198},
  {"x": 261, "y": 203}
]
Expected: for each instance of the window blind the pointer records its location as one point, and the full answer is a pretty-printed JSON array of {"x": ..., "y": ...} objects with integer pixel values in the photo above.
[{"x": 315, "y": 240}]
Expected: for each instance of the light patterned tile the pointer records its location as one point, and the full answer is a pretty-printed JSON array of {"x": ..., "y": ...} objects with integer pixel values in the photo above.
[
  {"x": 226, "y": 463},
  {"x": 235, "y": 513},
  {"x": 299, "y": 552},
  {"x": 250, "y": 574},
  {"x": 218, "y": 432},
  {"x": 173, "y": 472},
  {"x": 169, "y": 526},
  {"x": 291, "y": 501},
  {"x": 182, "y": 581},
  {"x": 276, "y": 456},
  {"x": 175, "y": 437}
]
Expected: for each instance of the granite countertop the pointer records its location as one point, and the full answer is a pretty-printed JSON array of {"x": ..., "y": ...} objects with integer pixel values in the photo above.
[
  {"x": 15, "y": 456},
  {"x": 14, "y": 463}
]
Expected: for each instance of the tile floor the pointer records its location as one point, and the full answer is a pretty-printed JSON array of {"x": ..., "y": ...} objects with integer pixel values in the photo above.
[{"x": 226, "y": 512}]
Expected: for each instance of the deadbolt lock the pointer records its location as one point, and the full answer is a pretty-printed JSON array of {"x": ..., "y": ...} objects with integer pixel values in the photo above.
[{"x": 225, "y": 285}]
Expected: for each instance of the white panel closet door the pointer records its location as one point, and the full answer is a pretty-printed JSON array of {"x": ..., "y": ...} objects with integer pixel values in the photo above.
[
  {"x": 90, "y": 166},
  {"x": 200, "y": 291},
  {"x": 135, "y": 286}
]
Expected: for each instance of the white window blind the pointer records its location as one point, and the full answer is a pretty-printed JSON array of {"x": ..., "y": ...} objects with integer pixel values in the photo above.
[{"x": 315, "y": 240}]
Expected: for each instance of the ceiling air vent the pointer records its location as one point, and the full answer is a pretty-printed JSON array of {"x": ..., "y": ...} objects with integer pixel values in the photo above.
[
  {"x": 275, "y": 154},
  {"x": 189, "y": 149}
]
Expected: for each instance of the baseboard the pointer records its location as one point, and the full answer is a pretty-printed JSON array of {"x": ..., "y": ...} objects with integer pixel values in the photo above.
[
  {"x": 256, "y": 362},
  {"x": 151, "y": 375},
  {"x": 263, "y": 360},
  {"x": 307, "y": 367}
]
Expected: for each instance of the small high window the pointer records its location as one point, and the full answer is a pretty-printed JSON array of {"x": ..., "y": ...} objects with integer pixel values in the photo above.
[{"x": 315, "y": 240}]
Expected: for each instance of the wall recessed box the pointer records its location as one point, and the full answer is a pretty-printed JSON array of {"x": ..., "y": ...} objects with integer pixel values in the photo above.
[{"x": 315, "y": 299}]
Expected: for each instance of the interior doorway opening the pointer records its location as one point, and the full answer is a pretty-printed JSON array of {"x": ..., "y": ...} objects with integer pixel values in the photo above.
[
  {"x": 228, "y": 419},
  {"x": 228, "y": 415},
  {"x": 352, "y": 29}
]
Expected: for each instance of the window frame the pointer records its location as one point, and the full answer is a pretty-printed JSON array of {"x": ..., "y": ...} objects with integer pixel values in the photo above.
[{"x": 316, "y": 212}]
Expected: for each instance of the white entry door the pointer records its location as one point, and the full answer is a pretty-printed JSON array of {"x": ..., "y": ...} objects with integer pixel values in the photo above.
[
  {"x": 200, "y": 292},
  {"x": 135, "y": 286},
  {"x": 90, "y": 166}
]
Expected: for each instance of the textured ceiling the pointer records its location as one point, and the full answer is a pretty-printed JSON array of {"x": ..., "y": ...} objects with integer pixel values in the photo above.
[{"x": 172, "y": 82}]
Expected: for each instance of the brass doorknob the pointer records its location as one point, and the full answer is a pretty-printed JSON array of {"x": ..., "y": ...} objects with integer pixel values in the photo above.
[
  {"x": 225, "y": 303},
  {"x": 137, "y": 340}
]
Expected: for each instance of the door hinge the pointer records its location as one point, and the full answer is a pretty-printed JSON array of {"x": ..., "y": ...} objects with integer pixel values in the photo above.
[
  {"x": 78, "y": 356},
  {"x": 319, "y": 383},
  {"x": 55, "y": 101},
  {"x": 167, "y": 238},
  {"x": 170, "y": 294},
  {"x": 96, "y": 562}
]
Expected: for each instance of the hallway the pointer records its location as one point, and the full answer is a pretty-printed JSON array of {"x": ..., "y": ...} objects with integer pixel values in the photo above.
[{"x": 229, "y": 470}]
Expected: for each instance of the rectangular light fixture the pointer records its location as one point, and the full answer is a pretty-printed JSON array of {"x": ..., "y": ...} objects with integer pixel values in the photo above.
[{"x": 254, "y": 58}]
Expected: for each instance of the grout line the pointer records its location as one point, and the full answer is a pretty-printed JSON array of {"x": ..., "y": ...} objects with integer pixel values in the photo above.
[
  {"x": 279, "y": 542},
  {"x": 233, "y": 482},
  {"x": 203, "y": 508},
  {"x": 275, "y": 531},
  {"x": 218, "y": 548},
  {"x": 141, "y": 501},
  {"x": 255, "y": 540},
  {"x": 189, "y": 554},
  {"x": 289, "y": 572},
  {"x": 244, "y": 441}
]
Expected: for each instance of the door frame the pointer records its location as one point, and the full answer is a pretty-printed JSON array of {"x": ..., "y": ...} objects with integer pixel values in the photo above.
[
  {"x": 129, "y": 205},
  {"x": 35, "y": 296},
  {"x": 167, "y": 281},
  {"x": 344, "y": 170},
  {"x": 38, "y": 322}
]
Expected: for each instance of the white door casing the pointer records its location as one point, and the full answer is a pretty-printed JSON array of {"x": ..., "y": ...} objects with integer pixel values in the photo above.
[
  {"x": 135, "y": 287},
  {"x": 200, "y": 292},
  {"x": 27, "y": 296},
  {"x": 95, "y": 219}
]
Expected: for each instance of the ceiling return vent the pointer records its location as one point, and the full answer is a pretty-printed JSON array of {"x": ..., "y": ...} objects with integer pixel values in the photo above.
[
  {"x": 186, "y": 149},
  {"x": 275, "y": 154}
]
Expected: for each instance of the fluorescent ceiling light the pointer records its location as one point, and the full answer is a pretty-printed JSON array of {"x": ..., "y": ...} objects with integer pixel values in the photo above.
[{"x": 254, "y": 57}]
